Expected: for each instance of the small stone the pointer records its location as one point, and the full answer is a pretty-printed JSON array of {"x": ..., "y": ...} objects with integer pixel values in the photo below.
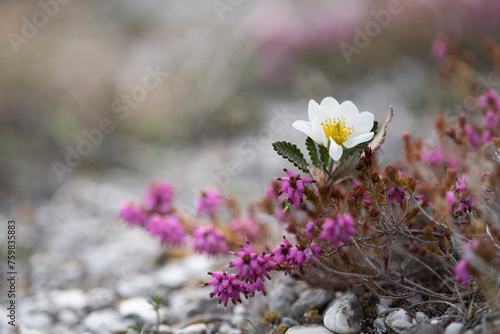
[
  {"x": 226, "y": 328},
  {"x": 173, "y": 276},
  {"x": 238, "y": 316},
  {"x": 185, "y": 303},
  {"x": 68, "y": 317},
  {"x": 98, "y": 298},
  {"x": 37, "y": 320},
  {"x": 289, "y": 321},
  {"x": 24, "y": 330},
  {"x": 135, "y": 286},
  {"x": 380, "y": 325},
  {"x": 164, "y": 329},
  {"x": 72, "y": 299},
  {"x": 138, "y": 307},
  {"x": 434, "y": 322},
  {"x": 383, "y": 309},
  {"x": 344, "y": 315},
  {"x": 105, "y": 320},
  {"x": 399, "y": 314},
  {"x": 401, "y": 326},
  {"x": 425, "y": 328},
  {"x": 454, "y": 328},
  {"x": 421, "y": 318},
  {"x": 281, "y": 299},
  {"x": 316, "y": 297},
  {"x": 192, "y": 329},
  {"x": 308, "y": 329}
]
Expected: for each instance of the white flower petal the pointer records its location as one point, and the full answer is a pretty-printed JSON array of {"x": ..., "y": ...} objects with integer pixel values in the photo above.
[
  {"x": 317, "y": 131},
  {"x": 362, "y": 123},
  {"x": 351, "y": 142},
  {"x": 313, "y": 109},
  {"x": 303, "y": 126},
  {"x": 323, "y": 137},
  {"x": 348, "y": 110},
  {"x": 329, "y": 105},
  {"x": 335, "y": 150}
]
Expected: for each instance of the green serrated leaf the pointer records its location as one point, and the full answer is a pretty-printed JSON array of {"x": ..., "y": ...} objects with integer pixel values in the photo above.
[
  {"x": 313, "y": 151},
  {"x": 324, "y": 155},
  {"x": 292, "y": 153},
  {"x": 347, "y": 164}
]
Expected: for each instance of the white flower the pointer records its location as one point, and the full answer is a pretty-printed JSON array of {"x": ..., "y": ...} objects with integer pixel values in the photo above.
[{"x": 335, "y": 125}]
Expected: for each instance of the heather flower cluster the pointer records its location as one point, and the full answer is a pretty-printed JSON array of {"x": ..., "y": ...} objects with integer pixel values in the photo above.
[
  {"x": 293, "y": 187},
  {"x": 339, "y": 229},
  {"x": 208, "y": 239},
  {"x": 227, "y": 287},
  {"x": 157, "y": 214}
]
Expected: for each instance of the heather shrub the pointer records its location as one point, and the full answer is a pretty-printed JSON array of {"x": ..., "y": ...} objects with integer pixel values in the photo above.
[{"x": 426, "y": 224}]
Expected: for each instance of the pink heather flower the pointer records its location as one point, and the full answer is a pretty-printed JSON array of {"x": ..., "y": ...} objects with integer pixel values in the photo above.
[
  {"x": 209, "y": 201},
  {"x": 420, "y": 198},
  {"x": 314, "y": 252},
  {"x": 158, "y": 197},
  {"x": 294, "y": 255},
  {"x": 208, "y": 239},
  {"x": 462, "y": 272},
  {"x": 338, "y": 229},
  {"x": 491, "y": 97},
  {"x": 227, "y": 287},
  {"x": 472, "y": 135},
  {"x": 396, "y": 193},
  {"x": 466, "y": 205},
  {"x": 490, "y": 118},
  {"x": 297, "y": 255},
  {"x": 486, "y": 136},
  {"x": 461, "y": 184},
  {"x": 251, "y": 265},
  {"x": 168, "y": 228},
  {"x": 257, "y": 285},
  {"x": 438, "y": 49},
  {"x": 293, "y": 187},
  {"x": 281, "y": 251},
  {"x": 245, "y": 226},
  {"x": 134, "y": 214},
  {"x": 309, "y": 229},
  {"x": 434, "y": 156},
  {"x": 450, "y": 200}
]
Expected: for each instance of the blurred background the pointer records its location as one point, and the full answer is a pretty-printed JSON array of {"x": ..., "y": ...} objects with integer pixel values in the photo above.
[
  {"x": 99, "y": 97},
  {"x": 225, "y": 66}
]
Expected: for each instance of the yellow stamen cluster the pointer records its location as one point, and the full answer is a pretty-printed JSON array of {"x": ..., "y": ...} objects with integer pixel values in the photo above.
[{"x": 337, "y": 129}]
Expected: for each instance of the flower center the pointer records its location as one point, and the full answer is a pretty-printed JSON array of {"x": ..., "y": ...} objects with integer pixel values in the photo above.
[{"x": 337, "y": 129}]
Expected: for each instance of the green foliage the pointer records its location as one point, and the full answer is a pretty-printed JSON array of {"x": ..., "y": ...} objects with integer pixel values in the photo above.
[
  {"x": 348, "y": 162},
  {"x": 313, "y": 151},
  {"x": 292, "y": 153},
  {"x": 324, "y": 155},
  {"x": 255, "y": 330},
  {"x": 375, "y": 128},
  {"x": 157, "y": 301}
]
